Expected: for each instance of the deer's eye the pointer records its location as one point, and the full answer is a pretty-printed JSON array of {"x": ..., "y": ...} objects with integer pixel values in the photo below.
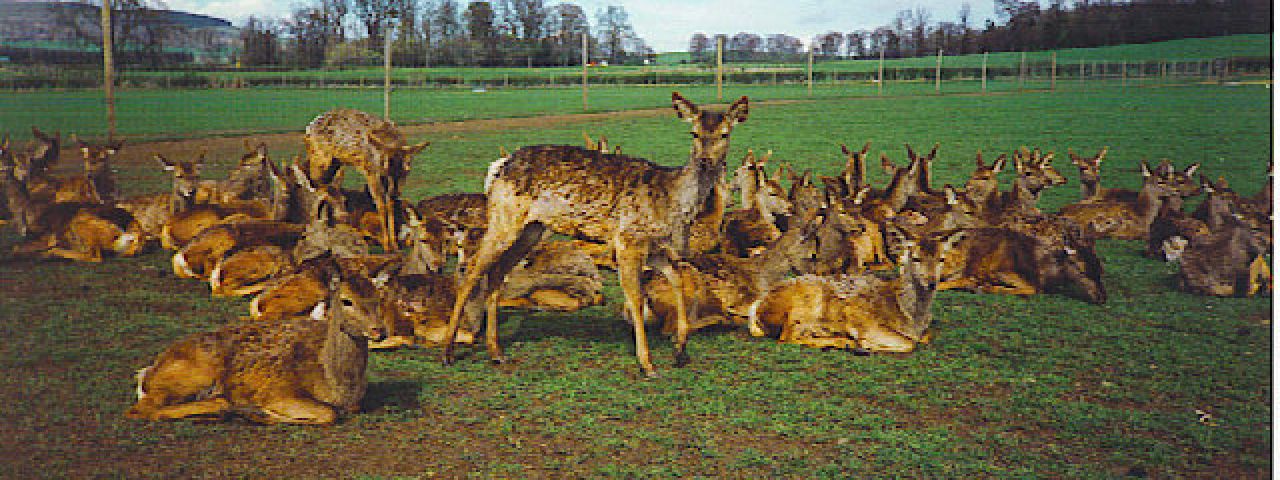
[{"x": 346, "y": 302}]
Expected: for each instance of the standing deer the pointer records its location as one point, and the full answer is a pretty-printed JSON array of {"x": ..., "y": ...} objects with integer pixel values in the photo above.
[
  {"x": 301, "y": 371},
  {"x": 644, "y": 211},
  {"x": 374, "y": 146}
]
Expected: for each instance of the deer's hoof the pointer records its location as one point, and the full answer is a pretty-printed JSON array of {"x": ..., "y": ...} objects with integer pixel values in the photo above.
[
  {"x": 682, "y": 359},
  {"x": 861, "y": 352},
  {"x": 499, "y": 360}
]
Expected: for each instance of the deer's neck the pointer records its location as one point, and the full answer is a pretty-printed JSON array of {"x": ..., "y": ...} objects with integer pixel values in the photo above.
[
  {"x": 779, "y": 260},
  {"x": 915, "y": 299},
  {"x": 18, "y": 201},
  {"x": 1150, "y": 202},
  {"x": 899, "y": 191},
  {"x": 344, "y": 360},
  {"x": 103, "y": 182},
  {"x": 1089, "y": 187},
  {"x": 694, "y": 187}
]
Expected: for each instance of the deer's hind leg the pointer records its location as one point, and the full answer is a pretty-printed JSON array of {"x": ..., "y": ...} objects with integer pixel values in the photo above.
[
  {"x": 484, "y": 265},
  {"x": 296, "y": 410},
  {"x": 665, "y": 265},
  {"x": 530, "y": 235}
]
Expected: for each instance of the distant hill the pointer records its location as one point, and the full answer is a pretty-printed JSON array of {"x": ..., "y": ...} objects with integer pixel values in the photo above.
[
  {"x": 40, "y": 32},
  {"x": 36, "y": 21}
]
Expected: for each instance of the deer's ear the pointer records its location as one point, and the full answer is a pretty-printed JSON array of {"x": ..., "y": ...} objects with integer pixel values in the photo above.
[
  {"x": 685, "y": 110},
  {"x": 737, "y": 112},
  {"x": 1146, "y": 169},
  {"x": 953, "y": 239},
  {"x": 998, "y": 165},
  {"x": 1191, "y": 170},
  {"x": 164, "y": 162},
  {"x": 415, "y": 149}
]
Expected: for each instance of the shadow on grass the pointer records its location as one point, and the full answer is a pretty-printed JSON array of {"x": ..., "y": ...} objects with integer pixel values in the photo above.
[{"x": 398, "y": 395}]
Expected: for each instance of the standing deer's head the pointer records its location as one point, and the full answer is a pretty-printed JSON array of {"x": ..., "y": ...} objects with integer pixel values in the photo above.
[{"x": 710, "y": 130}]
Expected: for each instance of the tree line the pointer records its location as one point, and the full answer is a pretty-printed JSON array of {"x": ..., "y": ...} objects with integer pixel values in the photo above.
[
  {"x": 1019, "y": 26},
  {"x": 439, "y": 33}
]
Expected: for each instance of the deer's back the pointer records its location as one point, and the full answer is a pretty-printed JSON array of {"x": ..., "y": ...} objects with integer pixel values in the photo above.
[
  {"x": 586, "y": 192},
  {"x": 345, "y": 132}
]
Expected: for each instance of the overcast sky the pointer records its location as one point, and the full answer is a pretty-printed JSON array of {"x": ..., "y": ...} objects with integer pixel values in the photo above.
[{"x": 667, "y": 24}]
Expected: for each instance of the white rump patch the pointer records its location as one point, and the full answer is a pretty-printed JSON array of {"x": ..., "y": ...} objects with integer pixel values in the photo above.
[
  {"x": 180, "y": 265},
  {"x": 493, "y": 172},
  {"x": 317, "y": 313},
  {"x": 140, "y": 376},
  {"x": 753, "y": 318},
  {"x": 125, "y": 242}
]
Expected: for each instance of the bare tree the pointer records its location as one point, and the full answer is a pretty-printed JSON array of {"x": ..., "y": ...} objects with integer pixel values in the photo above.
[
  {"x": 744, "y": 45},
  {"x": 699, "y": 44},
  {"x": 614, "y": 30}
]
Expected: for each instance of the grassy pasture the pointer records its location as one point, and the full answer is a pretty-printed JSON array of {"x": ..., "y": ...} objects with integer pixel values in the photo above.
[{"x": 1042, "y": 387}]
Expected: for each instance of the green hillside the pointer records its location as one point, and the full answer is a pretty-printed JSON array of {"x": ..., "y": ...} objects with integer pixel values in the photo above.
[{"x": 1189, "y": 49}]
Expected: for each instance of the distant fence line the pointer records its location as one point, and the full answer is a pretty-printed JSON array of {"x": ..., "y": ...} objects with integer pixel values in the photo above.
[{"x": 1039, "y": 71}]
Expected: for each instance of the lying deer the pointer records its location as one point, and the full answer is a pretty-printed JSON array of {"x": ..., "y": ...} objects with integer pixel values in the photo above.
[
  {"x": 1229, "y": 262},
  {"x": 154, "y": 210},
  {"x": 300, "y": 371},
  {"x": 372, "y": 145},
  {"x": 722, "y": 286},
  {"x": 97, "y": 184},
  {"x": 642, "y": 210},
  {"x": 859, "y": 311},
  {"x": 250, "y": 262},
  {"x": 1129, "y": 215},
  {"x": 1027, "y": 258},
  {"x": 75, "y": 231},
  {"x": 1035, "y": 173},
  {"x": 1091, "y": 176},
  {"x": 191, "y": 218}
]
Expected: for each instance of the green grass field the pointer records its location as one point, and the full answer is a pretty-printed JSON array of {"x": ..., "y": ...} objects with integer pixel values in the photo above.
[
  {"x": 1155, "y": 383},
  {"x": 668, "y": 69}
]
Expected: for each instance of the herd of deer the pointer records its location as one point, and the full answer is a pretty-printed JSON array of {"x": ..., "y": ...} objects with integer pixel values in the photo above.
[{"x": 832, "y": 263}]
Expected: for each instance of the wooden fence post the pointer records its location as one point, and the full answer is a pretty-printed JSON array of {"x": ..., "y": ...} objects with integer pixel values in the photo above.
[
  {"x": 1053, "y": 71},
  {"x": 719, "y": 68},
  {"x": 1022, "y": 68},
  {"x": 810, "y": 83},
  {"x": 984, "y": 72},
  {"x": 880, "y": 74},
  {"x": 937, "y": 75},
  {"x": 108, "y": 70}
]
